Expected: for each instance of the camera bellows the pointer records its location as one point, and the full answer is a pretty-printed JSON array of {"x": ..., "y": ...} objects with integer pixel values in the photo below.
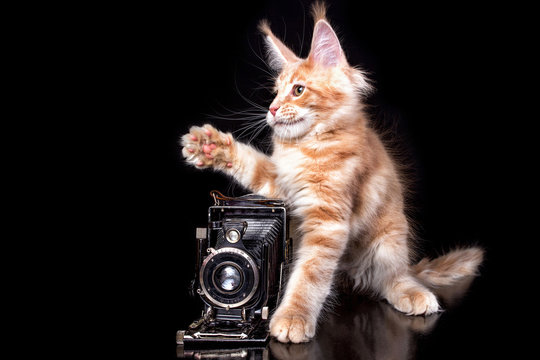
[{"x": 258, "y": 232}]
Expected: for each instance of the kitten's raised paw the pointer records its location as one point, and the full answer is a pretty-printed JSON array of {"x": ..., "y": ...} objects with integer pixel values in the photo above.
[
  {"x": 291, "y": 327},
  {"x": 207, "y": 147}
]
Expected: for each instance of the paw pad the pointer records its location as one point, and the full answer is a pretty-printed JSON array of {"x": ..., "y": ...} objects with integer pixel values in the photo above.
[{"x": 207, "y": 147}]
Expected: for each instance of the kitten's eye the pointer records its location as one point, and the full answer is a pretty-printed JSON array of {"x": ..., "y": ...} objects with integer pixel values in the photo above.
[{"x": 297, "y": 90}]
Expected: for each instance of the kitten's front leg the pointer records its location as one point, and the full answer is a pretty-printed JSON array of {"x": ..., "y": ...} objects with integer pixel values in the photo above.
[
  {"x": 207, "y": 147},
  {"x": 310, "y": 283}
]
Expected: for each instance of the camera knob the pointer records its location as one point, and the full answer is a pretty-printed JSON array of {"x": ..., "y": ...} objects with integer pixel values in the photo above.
[{"x": 263, "y": 312}]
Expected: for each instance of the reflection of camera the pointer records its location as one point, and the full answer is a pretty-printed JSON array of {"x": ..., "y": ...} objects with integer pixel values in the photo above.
[{"x": 242, "y": 259}]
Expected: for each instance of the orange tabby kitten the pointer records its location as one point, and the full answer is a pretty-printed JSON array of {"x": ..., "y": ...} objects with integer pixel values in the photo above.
[{"x": 340, "y": 182}]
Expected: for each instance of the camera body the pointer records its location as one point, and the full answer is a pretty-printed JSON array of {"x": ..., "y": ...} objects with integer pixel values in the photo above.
[{"x": 242, "y": 261}]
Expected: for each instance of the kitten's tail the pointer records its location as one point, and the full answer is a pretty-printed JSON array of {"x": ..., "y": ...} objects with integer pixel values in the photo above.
[{"x": 449, "y": 268}]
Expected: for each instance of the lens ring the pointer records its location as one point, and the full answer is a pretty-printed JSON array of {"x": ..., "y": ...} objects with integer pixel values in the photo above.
[{"x": 206, "y": 276}]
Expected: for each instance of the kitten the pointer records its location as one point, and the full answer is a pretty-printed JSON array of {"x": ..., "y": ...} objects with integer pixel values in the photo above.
[{"x": 340, "y": 182}]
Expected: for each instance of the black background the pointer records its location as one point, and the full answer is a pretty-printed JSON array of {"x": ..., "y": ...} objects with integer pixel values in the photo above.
[{"x": 442, "y": 75}]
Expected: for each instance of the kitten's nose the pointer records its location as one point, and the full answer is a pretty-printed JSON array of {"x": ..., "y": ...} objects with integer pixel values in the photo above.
[{"x": 274, "y": 109}]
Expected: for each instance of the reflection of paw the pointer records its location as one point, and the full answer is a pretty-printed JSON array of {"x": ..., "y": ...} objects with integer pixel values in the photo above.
[
  {"x": 417, "y": 302},
  {"x": 290, "y": 351},
  {"x": 290, "y": 326},
  {"x": 207, "y": 147}
]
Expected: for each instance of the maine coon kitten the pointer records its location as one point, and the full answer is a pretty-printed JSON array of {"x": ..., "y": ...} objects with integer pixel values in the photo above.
[{"x": 335, "y": 174}]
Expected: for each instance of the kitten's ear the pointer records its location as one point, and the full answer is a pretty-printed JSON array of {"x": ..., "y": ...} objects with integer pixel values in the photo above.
[
  {"x": 325, "y": 47},
  {"x": 278, "y": 54}
]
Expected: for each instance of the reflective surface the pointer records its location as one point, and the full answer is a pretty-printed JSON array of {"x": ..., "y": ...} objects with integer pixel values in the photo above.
[
  {"x": 361, "y": 328},
  {"x": 365, "y": 329}
]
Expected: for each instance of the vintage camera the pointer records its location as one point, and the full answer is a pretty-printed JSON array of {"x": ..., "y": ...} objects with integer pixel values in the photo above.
[{"x": 242, "y": 264}]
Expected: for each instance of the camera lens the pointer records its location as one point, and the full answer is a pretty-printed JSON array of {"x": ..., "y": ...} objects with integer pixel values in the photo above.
[{"x": 228, "y": 278}]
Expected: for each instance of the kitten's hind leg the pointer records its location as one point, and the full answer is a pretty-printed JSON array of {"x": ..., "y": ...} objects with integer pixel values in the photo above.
[
  {"x": 407, "y": 295},
  {"x": 390, "y": 274}
]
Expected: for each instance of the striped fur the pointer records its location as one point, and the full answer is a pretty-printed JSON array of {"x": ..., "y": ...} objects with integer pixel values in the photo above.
[{"x": 343, "y": 187}]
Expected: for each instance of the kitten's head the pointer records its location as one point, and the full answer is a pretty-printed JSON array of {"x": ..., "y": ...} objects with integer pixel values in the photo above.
[{"x": 315, "y": 94}]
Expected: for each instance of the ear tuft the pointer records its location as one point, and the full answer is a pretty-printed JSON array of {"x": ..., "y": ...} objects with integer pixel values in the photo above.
[
  {"x": 318, "y": 11},
  {"x": 278, "y": 54},
  {"x": 264, "y": 27}
]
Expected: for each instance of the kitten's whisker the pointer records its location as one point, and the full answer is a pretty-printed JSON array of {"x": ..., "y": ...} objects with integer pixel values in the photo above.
[
  {"x": 240, "y": 118},
  {"x": 257, "y": 109},
  {"x": 250, "y": 102},
  {"x": 254, "y": 128},
  {"x": 262, "y": 69},
  {"x": 248, "y": 114},
  {"x": 247, "y": 128},
  {"x": 260, "y": 127}
]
